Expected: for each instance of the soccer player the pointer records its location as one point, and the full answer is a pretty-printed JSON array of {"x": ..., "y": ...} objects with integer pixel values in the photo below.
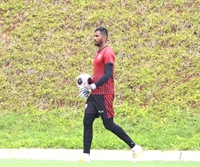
[{"x": 100, "y": 101}]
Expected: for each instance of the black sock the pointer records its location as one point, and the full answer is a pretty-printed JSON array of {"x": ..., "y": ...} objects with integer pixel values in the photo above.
[{"x": 117, "y": 130}]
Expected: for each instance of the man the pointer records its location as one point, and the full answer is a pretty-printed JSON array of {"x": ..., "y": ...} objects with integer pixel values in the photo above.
[{"x": 100, "y": 101}]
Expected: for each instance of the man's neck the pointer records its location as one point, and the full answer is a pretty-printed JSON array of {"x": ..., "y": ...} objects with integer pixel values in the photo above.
[{"x": 102, "y": 46}]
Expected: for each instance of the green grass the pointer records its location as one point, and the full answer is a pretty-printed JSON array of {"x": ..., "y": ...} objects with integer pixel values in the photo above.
[
  {"x": 50, "y": 163},
  {"x": 50, "y": 130}
]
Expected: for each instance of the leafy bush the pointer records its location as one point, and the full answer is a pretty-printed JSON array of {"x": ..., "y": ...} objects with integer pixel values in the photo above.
[{"x": 46, "y": 44}]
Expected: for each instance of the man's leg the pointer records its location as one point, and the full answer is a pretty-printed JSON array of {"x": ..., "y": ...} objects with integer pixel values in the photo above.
[
  {"x": 88, "y": 131},
  {"x": 117, "y": 130}
]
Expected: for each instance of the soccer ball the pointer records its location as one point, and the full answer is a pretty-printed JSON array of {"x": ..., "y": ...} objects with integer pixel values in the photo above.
[{"x": 83, "y": 80}]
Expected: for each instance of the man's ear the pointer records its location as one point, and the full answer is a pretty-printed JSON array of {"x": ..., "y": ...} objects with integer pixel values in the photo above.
[{"x": 105, "y": 38}]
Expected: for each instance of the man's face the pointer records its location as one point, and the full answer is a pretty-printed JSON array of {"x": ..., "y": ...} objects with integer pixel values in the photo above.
[{"x": 99, "y": 39}]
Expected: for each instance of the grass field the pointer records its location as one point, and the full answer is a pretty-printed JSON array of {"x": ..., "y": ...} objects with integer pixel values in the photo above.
[{"x": 39, "y": 163}]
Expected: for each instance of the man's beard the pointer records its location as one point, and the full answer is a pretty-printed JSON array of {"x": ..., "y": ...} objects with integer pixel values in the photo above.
[{"x": 98, "y": 43}]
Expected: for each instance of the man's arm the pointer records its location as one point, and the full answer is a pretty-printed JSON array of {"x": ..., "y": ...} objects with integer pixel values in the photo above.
[{"x": 108, "y": 74}]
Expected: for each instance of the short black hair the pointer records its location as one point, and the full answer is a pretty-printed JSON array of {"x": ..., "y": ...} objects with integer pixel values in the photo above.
[{"x": 103, "y": 31}]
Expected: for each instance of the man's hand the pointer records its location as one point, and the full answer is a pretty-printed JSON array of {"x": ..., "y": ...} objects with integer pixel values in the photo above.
[
  {"x": 92, "y": 86},
  {"x": 84, "y": 92}
]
